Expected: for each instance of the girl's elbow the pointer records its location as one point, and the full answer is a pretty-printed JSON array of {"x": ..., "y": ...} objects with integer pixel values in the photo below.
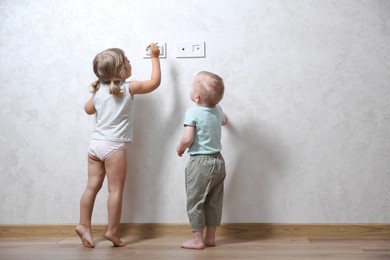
[
  {"x": 155, "y": 85},
  {"x": 89, "y": 110},
  {"x": 157, "y": 82}
]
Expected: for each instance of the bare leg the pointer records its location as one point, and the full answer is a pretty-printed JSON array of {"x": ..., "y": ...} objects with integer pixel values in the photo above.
[
  {"x": 209, "y": 239},
  {"x": 96, "y": 175},
  {"x": 196, "y": 242},
  {"x": 116, "y": 169}
]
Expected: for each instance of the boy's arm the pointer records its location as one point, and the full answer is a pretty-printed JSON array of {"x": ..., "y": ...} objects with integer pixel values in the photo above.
[
  {"x": 89, "y": 107},
  {"x": 225, "y": 120},
  {"x": 186, "y": 140},
  {"x": 144, "y": 87}
]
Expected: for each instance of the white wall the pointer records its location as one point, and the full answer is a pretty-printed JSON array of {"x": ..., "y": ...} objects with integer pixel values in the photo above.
[{"x": 307, "y": 94}]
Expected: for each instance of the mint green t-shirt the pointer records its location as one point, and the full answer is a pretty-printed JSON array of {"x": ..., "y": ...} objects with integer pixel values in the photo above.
[{"x": 207, "y": 122}]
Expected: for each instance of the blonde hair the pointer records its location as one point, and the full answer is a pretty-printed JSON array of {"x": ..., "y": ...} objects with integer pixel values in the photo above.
[
  {"x": 109, "y": 67},
  {"x": 210, "y": 87}
]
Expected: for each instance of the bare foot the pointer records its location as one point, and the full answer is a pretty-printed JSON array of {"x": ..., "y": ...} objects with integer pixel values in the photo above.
[
  {"x": 193, "y": 244},
  {"x": 85, "y": 236},
  {"x": 209, "y": 242},
  {"x": 209, "y": 238},
  {"x": 115, "y": 240}
]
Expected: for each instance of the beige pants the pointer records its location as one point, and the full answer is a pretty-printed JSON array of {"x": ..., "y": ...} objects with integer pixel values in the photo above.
[{"x": 205, "y": 175}]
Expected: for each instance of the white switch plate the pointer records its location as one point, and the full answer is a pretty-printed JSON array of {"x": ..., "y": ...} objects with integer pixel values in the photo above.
[
  {"x": 191, "y": 50},
  {"x": 163, "y": 50}
]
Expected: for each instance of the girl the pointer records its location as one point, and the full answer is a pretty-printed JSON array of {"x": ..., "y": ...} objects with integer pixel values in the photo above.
[{"x": 112, "y": 101}]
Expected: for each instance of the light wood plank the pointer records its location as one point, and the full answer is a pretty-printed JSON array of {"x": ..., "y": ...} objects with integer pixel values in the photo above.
[
  {"x": 236, "y": 230},
  {"x": 168, "y": 247}
]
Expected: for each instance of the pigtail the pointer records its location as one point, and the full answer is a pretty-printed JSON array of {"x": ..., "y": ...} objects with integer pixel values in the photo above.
[
  {"x": 95, "y": 86},
  {"x": 116, "y": 90}
]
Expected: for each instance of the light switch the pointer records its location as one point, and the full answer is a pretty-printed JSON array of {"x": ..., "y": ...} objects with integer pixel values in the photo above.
[{"x": 163, "y": 50}]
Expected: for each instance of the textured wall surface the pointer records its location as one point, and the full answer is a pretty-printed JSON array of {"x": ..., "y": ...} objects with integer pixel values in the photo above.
[{"x": 307, "y": 95}]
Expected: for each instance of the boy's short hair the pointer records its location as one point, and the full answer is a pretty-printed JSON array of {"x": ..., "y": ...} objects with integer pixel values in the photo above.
[{"x": 210, "y": 87}]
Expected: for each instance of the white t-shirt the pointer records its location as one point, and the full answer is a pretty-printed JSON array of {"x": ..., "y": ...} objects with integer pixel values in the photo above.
[{"x": 114, "y": 115}]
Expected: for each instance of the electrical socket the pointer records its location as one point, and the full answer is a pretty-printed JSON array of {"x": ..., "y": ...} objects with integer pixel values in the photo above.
[{"x": 191, "y": 50}]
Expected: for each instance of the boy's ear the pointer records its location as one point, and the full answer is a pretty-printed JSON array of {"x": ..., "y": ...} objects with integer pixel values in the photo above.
[{"x": 198, "y": 99}]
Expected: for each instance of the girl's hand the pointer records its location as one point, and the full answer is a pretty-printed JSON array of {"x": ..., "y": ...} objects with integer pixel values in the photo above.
[{"x": 154, "y": 50}]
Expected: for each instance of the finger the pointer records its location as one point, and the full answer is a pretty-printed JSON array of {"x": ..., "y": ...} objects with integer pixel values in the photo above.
[
  {"x": 150, "y": 46},
  {"x": 153, "y": 45}
]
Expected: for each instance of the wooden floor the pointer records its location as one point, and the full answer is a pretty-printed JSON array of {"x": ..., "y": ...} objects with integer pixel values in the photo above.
[{"x": 168, "y": 247}]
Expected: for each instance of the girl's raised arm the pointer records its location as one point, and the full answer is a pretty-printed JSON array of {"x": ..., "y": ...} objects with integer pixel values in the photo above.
[{"x": 147, "y": 86}]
